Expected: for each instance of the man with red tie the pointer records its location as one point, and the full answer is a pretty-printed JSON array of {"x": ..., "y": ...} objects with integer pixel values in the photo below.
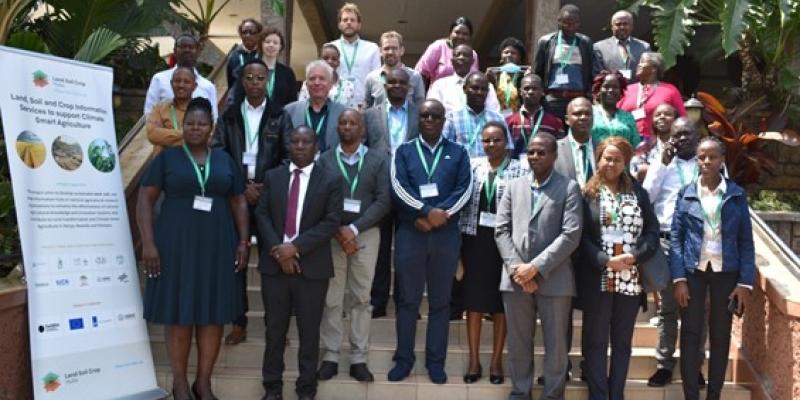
[{"x": 295, "y": 261}]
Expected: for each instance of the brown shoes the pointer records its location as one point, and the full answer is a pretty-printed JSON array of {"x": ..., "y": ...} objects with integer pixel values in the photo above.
[{"x": 238, "y": 335}]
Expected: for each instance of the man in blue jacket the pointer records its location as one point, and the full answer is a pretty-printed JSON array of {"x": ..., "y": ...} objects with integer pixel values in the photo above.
[
  {"x": 711, "y": 254},
  {"x": 431, "y": 181}
]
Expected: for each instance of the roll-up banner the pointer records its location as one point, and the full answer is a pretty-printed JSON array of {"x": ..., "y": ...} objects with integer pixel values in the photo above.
[{"x": 88, "y": 338}]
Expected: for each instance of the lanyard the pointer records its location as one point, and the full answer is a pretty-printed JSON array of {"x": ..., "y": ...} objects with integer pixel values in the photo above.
[
  {"x": 271, "y": 83},
  {"x": 713, "y": 221},
  {"x": 318, "y": 129},
  {"x": 474, "y": 131},
  {"x": 339, "y": 91},
  {"x": 349, "y": 61},
  {"x": 252, "y": 138},
  {"x": 581, "y": 160},
  {"x": 534, "y": 128},
  {"x": 684, "y": 180},
  {"x": 396, "y": 133},
  {"x": 174, "y": 117},
  {"x": 490, "y": 190},
  {"x": 429, "y": 170},
  {"x": 202, "y": 179},
  {"x": 639, "y": 100},
  {"x": 352, "y": 182},
  {"x": 565, "y": 57},
  {"x": 615, "y": 204},
  {"x": 535, "y": 189}
]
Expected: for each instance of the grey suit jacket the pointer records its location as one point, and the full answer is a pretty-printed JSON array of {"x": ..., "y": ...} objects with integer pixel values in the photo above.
[
  {"x": 547, "y": 238},
  {"x": 565, "y": 162},
  {"x": 376, "y": 122},
  {"x": 607, "y": 55},
  {"x": 295, "y": 115}
]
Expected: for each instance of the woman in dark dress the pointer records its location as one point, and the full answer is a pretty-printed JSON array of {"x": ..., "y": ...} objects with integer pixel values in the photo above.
[
  {"x": 482, "y": 262},
  {"x": 191, "y": 251}
]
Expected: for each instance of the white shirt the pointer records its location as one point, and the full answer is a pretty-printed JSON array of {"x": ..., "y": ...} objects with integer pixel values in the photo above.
[
  {"x": 663, "y": 183},
  {"x": 253, "y": 115},
  {"x": 161, "y": 90},
  {"x": 450, "y": 92},
  {"x": 304, "y": 176},
  {"x": 710, "y": 202},
  {"x": 367, "y": 58}
]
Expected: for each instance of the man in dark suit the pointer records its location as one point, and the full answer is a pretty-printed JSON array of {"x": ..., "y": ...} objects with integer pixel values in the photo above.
[
  {"x": 389, "y": 125},
  {"x": 620, "y": 52},
  {"x": 355, "y": 248},
  {"x": 251, "y": 133},
  {"x": 298, "y": 213},
  {"x": 318, "y": 112}
]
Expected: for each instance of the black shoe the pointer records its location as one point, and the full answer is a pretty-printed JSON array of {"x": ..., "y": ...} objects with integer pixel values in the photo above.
[
  {"x": 660, "y": 378},
  {"x": 472, "y": 378},
  {"x": 272, "y": 396},
  {"x": 496, "y": 379},
  {"x": 361, "y": 373},
  {"x": 327, "y": 370},
  {"x": 701, "y": 381},
  {"x": 540, "y": 380},
  {"x": 378, "y": 312}
]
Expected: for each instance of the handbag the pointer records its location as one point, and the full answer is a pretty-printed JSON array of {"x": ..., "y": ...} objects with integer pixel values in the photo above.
[{"x": 655, "y": 272}]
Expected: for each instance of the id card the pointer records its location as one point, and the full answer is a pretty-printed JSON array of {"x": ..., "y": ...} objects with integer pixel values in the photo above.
[
  {"x": 428, "y": 190},
  {"x": 626, "y": 73},
  {"x": 352, "y": 206},
  {"x": 487, "y": 219},
  {"x": 613, "y": 236},
  {"x": 714, "y": 247},
  {"x": 248, "y": 158},
  {"x": 639, "y": 114},
  {"x": 202, "y": 203},
  {"x": 562, "y": 79}
]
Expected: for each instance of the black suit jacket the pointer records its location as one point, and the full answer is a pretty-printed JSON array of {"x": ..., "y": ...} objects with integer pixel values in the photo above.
[
  {"x": 319, "y": 221},
  {"x": 543, "y": 60}
]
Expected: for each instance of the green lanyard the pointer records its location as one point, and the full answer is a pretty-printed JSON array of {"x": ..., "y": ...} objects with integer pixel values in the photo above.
[
  {"x": 684, "y": 180},
  {"x": 396, "y": 133},
  {"x": 202, "y": 179},
  {"x": 581, "y": 160},
  {"x": 615, "y": 204},
  {"x": 429, "y": 170},
  {"x": 352, "y": 182},
  {"x": 565, "y": 57},
  {"x": 174, "y": 117},
  {"x": 318, "y": 129},
  {"x": 535, "y": 187},
  {"x": 348, "y": 62},
  {"x": 474, "y": 131},
  {"x": 271, "y": 84},
  {"x": 252, "y": 138},
  {"x": 534, "y": 128},
  {"x": 339, "y": 91},
  {"x": 490, "y": 190},
  {"x": 713, "y": 221}
]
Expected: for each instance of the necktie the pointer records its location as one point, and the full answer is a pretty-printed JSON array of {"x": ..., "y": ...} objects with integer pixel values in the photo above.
[
  {"x": 587, "y": 166},
  {"x": 623, "y": 51},
  {"x": 290, "y": 227}
]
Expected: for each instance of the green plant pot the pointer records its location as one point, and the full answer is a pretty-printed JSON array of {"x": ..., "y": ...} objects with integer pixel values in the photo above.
[{"x": 8, "y": 263}]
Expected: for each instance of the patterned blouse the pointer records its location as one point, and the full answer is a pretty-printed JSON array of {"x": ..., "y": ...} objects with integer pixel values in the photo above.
[
  {"x": 621, "y": 223},
  {"x": 341, "y": 92}
]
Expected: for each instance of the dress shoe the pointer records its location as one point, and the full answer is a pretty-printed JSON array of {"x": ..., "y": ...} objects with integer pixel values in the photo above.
[
  {"x": 398, "y": 373},
  {"x": 176, "y": 397},
  {"x": 497, "y": 379},
  {"x": 660, "y": 378},
  {"x": 237, "y": 335},
  {"x": 567, "y": 378},
  {"x": 378, "y": 312},
  {"x": 472, "y": 378},
  {"x": 456, "y": 315},
  {"x": 327, "y": 370},
  {"x": 701, "y": 381},
  {"x": 361, "y": 373},
  {"x": 272, "y": 396},
  {"x": 197, "y": 395},
  {"x": 437, "y": 375}
]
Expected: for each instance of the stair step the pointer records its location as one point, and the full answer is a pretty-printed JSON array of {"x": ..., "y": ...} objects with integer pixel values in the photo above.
[{"x": 245, "y": 384}]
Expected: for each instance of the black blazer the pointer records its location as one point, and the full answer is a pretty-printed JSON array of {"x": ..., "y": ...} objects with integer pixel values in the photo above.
[
  {"x": 230, "y": 136},
  {"x": 591, "y": 254},
  {"x": 319, "y": 221},
  {"x": 543, "y": 61}
]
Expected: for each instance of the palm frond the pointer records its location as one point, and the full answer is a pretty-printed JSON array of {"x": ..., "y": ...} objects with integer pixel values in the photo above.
[{"x": 98, "y": 45}]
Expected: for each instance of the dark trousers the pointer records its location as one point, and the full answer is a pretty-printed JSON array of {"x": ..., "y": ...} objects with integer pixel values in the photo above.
[
  {"x": 719, "y": 286},
  {"x": 280, "y": 294},
  {"x": 608, "y": 316},
  {"x": 422, "y": 258},
  {"x": 383, "y": 267}
]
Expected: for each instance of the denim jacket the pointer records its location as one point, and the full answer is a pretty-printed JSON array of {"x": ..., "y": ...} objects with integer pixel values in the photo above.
[{"x": 738, "y": 250}]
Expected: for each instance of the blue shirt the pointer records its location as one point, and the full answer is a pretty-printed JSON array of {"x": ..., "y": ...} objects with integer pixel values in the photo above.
[
  {"x": 464, "y": 127},
  {"x": 398, "y": 124}
]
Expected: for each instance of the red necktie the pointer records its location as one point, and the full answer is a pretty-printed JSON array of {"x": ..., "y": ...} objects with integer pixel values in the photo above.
[{"x": 290, "y": 227}]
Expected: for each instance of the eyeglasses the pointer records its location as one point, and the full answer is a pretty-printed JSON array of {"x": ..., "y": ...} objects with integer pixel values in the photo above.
[
  {"x": 493, "y": 141},
  {"x": 258, "y": 78},
  {"x": 433, "y": 116}
]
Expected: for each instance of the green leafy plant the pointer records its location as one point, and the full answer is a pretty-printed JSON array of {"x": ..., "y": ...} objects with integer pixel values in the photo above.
[{"x": 770, "y": 200}]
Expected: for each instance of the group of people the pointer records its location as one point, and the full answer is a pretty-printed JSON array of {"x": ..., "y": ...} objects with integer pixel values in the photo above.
[{"x": 539, "y": 198}]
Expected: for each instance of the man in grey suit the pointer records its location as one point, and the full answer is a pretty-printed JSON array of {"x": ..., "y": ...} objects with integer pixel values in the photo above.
[
  {"x": 318, "y": 112},
  {"x": 576, "y": 150},
  {"x": 620, "y": 52},
  {"x": 388, "y": 125},
  {"x": 538, "y": 228}
]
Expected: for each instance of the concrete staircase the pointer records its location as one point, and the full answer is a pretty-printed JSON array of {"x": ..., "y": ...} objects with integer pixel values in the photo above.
[{"x": 238, "y": 372}]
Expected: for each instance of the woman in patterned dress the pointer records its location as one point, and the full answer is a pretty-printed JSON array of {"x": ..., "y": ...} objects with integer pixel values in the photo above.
[{"x": 620, "y": 231}]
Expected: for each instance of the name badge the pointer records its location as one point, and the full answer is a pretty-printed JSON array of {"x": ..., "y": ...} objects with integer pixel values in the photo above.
[
  {"x": 562, "y": 79},
  {"x": 352, "y": 206},
  {"x": 202, "y": 203},
  {"x": 626, "y": 73},
  {"x": 714, "y": 247},
  {"x": 613, "y": 236},
  {"x": 428, "y": 190},
  {"x": 248, "y": 158},
  {"x": 487, "y": 219},
  {"x": 639, "y": 114}
]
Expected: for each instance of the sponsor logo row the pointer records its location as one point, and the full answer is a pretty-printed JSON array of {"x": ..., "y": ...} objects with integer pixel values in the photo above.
[
  {"x": 81, "y": 280},
  {"x": 79, "y": 262},
  {"x": 77, "y": 324}
]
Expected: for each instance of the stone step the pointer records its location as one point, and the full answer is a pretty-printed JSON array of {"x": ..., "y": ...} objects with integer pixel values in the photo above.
[
  {"x": 249, "y": 354},
  {"x": 245, "y": 384}
]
